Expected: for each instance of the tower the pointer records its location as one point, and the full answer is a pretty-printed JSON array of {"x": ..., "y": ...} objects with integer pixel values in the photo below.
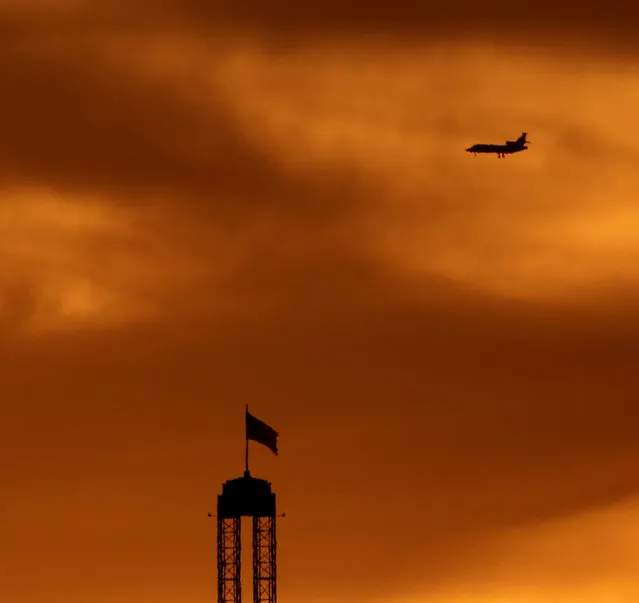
[{"x": 246, "y": 497}]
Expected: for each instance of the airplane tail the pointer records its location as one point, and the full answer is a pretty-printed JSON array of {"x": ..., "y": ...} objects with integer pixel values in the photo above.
[{"x": 520, "y": 142}]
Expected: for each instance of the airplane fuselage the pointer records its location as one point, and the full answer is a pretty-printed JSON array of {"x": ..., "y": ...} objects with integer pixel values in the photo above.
[{"x": 501, "y": 150}]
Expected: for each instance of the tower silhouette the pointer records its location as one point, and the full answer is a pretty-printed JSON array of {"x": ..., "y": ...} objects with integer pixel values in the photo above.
[{"x": 246, "y": 497}]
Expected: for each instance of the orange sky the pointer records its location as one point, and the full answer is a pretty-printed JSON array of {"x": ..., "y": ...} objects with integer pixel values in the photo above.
[{"x": 212, "y": 204}]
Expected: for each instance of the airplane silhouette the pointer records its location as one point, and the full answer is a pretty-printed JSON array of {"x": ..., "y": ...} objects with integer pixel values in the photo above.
[{"x": 511, "y": 146}]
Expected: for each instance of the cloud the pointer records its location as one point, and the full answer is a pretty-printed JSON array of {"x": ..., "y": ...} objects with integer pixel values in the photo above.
[
  {"x": 200, "y": 223},
  {"x": 467, "y": 414},
  {"x": 313, "y": 157},
  {"x": 78, "y": 121},
  {"x": 572, "y": 25}
]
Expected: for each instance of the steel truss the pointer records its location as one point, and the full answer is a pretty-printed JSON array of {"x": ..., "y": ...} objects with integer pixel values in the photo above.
[
  {"x": 229, "y": 585},
  {"x": 264, "y": 560}
]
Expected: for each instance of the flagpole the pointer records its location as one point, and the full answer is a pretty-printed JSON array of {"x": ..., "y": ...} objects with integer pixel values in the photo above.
[{"x": 246, "y": 433}]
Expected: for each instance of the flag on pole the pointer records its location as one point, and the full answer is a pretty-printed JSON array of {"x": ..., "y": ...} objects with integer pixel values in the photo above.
[{"x": 258, "y": 431}]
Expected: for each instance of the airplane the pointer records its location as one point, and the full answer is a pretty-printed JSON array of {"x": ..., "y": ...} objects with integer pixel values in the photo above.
[{"x": 511, "y": 146}]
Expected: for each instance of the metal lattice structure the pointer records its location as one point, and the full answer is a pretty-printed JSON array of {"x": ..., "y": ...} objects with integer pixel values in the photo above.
[
  {"x": 229, "y": 554},
  {"x": 264, "y": 560},
  {"x": 246, "y": 497}
]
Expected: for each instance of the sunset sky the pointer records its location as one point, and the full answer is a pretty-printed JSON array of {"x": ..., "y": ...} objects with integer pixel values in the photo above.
[{"x": 207, "y": 204}]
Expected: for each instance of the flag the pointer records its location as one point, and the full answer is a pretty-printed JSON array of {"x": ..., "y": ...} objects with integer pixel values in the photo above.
[{"x": 258, "y": 431}]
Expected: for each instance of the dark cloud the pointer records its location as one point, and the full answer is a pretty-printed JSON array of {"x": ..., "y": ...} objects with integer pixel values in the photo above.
[
  {"x": 78, "y": 121},
  {"x": 78, "y": 118},
  {"x": 581, "y": 23},
  {"x": 587, "y": 27}
]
